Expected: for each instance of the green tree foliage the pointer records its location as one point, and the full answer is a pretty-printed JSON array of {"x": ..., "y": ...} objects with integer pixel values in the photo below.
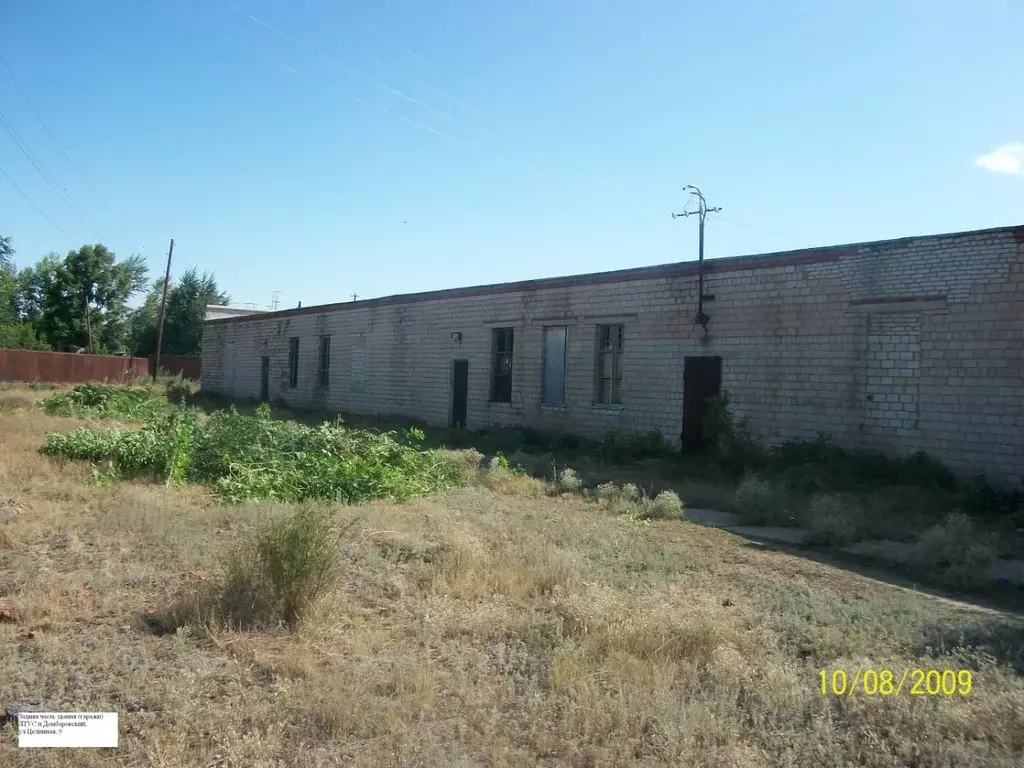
[
  {"x": 90, "y": 289},
  {"x": 33, "y": 285},
  {"x": 44, "y": 305},
  {"x": 187, "y": 300},
  {"x": 20, "y": 335},
  {"x": 15, "y": 332},
  {"x": 6, "y": 252},
  {"x": 8, "y": 283},
  {"x": 8, "y": 294}
]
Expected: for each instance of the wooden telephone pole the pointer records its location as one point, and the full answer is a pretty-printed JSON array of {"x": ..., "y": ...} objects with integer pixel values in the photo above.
[{"x": 163, "y": 310}]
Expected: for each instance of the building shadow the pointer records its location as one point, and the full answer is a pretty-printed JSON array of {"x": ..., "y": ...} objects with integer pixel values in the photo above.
[{"x": 999, "y": 599}]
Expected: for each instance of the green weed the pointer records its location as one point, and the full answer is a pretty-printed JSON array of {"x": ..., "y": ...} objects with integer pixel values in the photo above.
[
  {"x": 665, "y": 506},
  {"x": 762, "y": 502},
  {"x": 254, "y": 457},
  {"x": 629, "y": 501},
  {"x": 956, "y": 552},
  {"x": 567, "y": 481},
  {"x": 834, "y": 520},
  {"x": 281, "y": 574},
  {"x": 107, "y": 401}
]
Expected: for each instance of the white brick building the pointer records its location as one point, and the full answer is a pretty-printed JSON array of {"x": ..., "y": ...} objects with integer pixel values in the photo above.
[{"x": 901, "y": 345}]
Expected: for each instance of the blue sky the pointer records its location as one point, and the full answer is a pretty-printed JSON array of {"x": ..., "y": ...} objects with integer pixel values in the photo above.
[{"x": 322, "y": 148}]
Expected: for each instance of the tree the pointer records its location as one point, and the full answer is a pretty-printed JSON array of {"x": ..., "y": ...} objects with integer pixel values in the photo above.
[
  {"x": 187, "y": 300},
  {"x": 15, "y": 331},
  {"x": 6, "y": 252},
  {"x": 84, "y": 299},
  {"x": 33, "y": 284}
]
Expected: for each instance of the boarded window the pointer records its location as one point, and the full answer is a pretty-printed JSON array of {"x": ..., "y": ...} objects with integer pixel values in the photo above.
[
  {"x": 609, "y": 364},
  {"x": 323, "y": 375},
  {"x": 554, "y": 365},
  {"x": 501, "y": 372},
  {"x": 293, "y": 362}
]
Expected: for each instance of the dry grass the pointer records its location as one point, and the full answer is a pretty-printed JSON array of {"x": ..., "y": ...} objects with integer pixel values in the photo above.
[{"x": 494, "y": 625}]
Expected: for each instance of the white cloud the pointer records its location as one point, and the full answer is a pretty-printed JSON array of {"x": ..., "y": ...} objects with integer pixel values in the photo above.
[{"x": 1009, "y": 159}]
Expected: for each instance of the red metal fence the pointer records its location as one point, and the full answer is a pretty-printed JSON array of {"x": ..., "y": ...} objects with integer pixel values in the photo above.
[
  {"x": 189, "y": 366},
  {"x": 68, "y": 367}
]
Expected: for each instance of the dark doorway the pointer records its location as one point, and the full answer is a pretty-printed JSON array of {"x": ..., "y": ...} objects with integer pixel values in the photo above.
[
  {"x": 460, "y": 392},
  {"x": 264, "y": 379},
  {"x": 702, "y": 379}
]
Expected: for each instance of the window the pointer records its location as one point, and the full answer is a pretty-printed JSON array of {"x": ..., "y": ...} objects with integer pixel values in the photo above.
[
  {"x": 501, "y": 373},
  {"x": 554, "y": 365},
  {"x": 609, "y": 364},
  {"x": 293, "y": 362},
  {"x": 324, "y": 362}
]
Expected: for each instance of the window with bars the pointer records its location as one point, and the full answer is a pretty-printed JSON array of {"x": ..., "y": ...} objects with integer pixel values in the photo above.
[
  {"x": 324, "y": 361},
  {"x": 501, "y": 370},
  {"x": 609, "y": 364},
  {"x": 293, "y": 362}
]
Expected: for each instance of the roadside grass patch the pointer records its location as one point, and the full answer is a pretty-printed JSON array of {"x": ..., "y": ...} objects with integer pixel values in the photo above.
[{"x": 248, "y": 458}]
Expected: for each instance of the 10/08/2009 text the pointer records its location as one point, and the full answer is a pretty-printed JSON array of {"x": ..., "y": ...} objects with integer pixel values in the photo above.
[{"x": 886, "y": 682}]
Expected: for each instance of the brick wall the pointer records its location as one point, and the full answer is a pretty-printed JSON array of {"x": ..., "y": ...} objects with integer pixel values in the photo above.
[{"x": 905, "y": 345}]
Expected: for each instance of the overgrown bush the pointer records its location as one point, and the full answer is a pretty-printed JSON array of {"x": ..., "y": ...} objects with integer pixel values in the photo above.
[
  {"x": 834, "y": 520},
  {"x": 978, "y": 498},
  {"x": 813, "y": 465},
  {"x": 20, "y": 335},
  {"x": 955, "y": 552},
  {"x": 615, "y": 449},
  {"x": 732, "y": 443},
  {"x": 762, "y": 502},
  {"x": 179, "y": 389},
  {"x": 280, "y": 575},
  {"x": 277, "y": 576},
  {"x": 629, "y": 501},
  {"x": 567, "y": 481},
  {"x": 255, "y": 457},
  {"x": 620, "y": 499},
  {"x": 107, "y": 401},
  {"x": 665, "y": 506}
]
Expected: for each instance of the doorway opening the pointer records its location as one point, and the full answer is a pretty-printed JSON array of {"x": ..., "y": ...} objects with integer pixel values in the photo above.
[
  {"x": 702, "y": 380},
  {"x": 460, "y": 392},
  {"x": 264, "y": 379}
]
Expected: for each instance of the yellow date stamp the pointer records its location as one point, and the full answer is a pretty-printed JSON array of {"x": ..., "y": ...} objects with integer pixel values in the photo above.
[{"x": 886, "y": 682}]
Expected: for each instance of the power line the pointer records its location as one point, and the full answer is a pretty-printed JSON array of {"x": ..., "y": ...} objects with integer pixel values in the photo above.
[
  {"x": 32, "y": 159},
  {"x": 42, "y": 171},
  {"x": 50, "y": 134},
  {"x": 32, "y": 202},
  {"x": 762, "y": 231}
]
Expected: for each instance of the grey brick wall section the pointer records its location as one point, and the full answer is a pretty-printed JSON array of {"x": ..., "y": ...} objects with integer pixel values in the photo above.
[{"x": 913, "y": 344}]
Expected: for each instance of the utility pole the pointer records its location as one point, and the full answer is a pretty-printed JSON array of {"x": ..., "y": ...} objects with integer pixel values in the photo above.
[
  {"x": 355, "y": 296},
  {"x": 163, "y": 310},
  {"x": 88, "y": 319},
  {"x": 702, "y": 211}
]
